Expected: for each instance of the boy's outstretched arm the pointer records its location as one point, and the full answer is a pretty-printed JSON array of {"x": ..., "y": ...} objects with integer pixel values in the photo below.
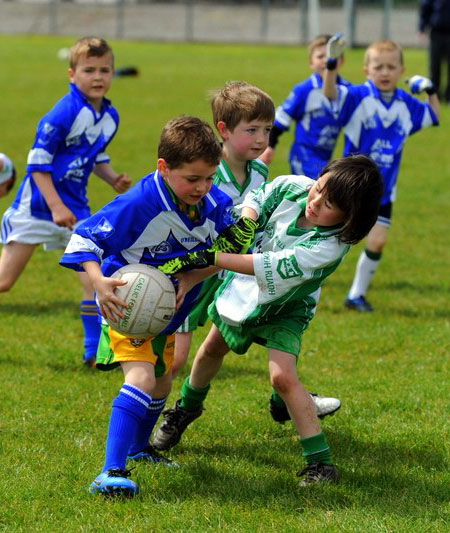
[
  {"x": 335, "y": 47},
  {"x": 61, "y": 214},
  {"x": 119, "y": 182}
]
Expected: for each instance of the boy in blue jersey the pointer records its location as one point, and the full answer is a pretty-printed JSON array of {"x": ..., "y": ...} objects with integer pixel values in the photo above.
[
  {"x": 168, "y": 213},
  {"x": 377, "y": 118},
  {"x": 316, "y": 128},
  {"x": 70, "y": 143}
]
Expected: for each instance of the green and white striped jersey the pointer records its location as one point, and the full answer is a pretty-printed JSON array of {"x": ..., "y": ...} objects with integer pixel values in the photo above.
[
  {"x": 257, "y": 174},
  {"x": 290, "y": 263}
]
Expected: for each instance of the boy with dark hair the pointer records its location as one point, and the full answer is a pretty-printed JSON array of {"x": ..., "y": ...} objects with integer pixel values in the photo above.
[
  {"x": 305, "y": 228},
  {"x": 174, "y": 210},
  {"x": 377, "y": 118},
  {"x": 316, "y": 128},
  {"x": 70, "y": 143},
  {"x": 243, "y": 116}
]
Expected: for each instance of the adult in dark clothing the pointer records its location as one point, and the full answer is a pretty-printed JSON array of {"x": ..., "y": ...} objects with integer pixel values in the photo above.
[{"x": 434, "y": 16}]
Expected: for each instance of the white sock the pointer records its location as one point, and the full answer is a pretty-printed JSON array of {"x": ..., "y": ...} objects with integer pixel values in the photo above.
[{"x": 365, "y": 269}]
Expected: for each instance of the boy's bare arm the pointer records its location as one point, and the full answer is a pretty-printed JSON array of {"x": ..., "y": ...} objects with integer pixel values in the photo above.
[
  {"x": 119, "y": 182},
  {"x": 433, "y": 100},
  {"x": 329, "y": 84},
  {"x": 61, "y": 214}
]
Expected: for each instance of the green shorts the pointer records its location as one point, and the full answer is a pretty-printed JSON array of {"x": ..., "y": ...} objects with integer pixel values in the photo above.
[
  {"x": 282, "y": 333},
  {"x": 114, "y": 348},
  {"x": 198, "y": 317}
]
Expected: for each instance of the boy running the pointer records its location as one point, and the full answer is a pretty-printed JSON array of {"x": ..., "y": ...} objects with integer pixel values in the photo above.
[
  {"x": 316, "y": 127},
  {"x": 377, "y": 118},
  {"x": 70, "y": 143},
  {"x": 170, "y": 212},
  {"x": 305, "y": 228}
]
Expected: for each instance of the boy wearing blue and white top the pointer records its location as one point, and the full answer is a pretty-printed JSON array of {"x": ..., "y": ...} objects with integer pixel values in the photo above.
[
  {"x": 316, "y": 127},
  {"x": 168, "y": 213},
  {"x": 70, "y": 143},
  {"x": 377, "y": 118},
  {"x": 243, "y": 116},
  {"x": 305, "y": 228}
]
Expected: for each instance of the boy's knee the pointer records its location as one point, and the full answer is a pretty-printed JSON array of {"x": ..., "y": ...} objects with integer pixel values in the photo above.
[
  {"x": 282, "y": 382},
  {"x": 5, "y": 285}
]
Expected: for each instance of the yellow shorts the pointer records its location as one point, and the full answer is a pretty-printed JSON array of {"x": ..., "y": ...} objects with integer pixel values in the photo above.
[{"x": 115, "y": 348}]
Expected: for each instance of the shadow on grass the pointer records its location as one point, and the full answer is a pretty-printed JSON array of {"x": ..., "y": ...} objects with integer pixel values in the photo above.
[
  {"x": 38, "y": 309},
  {"x": 386, "y": 478}
]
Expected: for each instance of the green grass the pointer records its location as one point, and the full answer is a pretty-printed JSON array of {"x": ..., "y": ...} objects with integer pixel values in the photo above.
[{"x": 391, "y": 437}]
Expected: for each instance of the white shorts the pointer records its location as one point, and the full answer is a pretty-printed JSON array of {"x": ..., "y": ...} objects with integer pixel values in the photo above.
[{"x": 26, "y": 229}]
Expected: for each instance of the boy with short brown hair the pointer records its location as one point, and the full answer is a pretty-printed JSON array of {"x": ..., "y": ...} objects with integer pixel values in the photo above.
[
  {"x": 70, "y": 143},
  {"x": 377, "y": 118},
  {"x": 174, "y": 210}
]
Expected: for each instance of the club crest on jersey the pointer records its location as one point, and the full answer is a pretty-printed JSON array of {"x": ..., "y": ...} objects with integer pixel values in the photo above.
[
  {"x": 46, "y": 133},
  {"x": 102, "y": 229},
  {"x": 137, "y": 342},
  {"x": 270, "y": 230},
  {"x": 288, "y": 268}
]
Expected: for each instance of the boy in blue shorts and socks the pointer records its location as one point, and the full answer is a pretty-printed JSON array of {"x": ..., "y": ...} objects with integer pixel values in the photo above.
[
  {"x": 243, "y": 115},
  {"x": 70, "y": 143},
  {"x": 170, "y": 212},
  {"x": 304, "y": 229},
  {"x": 316, "y": 128},
  {"x": 377, "y": 118}
]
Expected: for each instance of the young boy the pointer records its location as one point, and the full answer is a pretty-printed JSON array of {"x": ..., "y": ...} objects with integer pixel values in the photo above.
[
  {"x": 7, "y": 175},
  {"x": 70, "y": 143},
  {"x": 168, "y": 213},
  {"x": 377, "y": 118},
  {"x": 243, "y": 115},
  {"x": 304, "y": 230},
  {"x": 316, "y": 128}
]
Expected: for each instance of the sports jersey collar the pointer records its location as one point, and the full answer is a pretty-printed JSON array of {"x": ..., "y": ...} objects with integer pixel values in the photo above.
[
  {"x": 167, "y": 203},
  {"x": 74, "y": 91},
  {"x": 228, "y": 176},
  {"x": 375, "y": 92}
]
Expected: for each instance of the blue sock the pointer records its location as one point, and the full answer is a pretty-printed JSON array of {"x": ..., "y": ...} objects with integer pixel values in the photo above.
[
  {"x": 128, "y": 412},
  {"x": 142, "y": 435},
  {"x": 91, "y": 328}
]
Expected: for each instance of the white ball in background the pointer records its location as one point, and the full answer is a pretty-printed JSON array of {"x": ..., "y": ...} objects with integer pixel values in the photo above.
[{"x": 63, "y": 53}]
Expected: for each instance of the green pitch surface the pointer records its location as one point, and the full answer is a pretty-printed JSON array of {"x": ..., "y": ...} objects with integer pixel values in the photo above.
[{"x": 390, "y": 369}]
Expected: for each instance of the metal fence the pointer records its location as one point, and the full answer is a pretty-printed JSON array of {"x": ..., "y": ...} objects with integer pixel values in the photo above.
[{"x": 262, "y": 21}]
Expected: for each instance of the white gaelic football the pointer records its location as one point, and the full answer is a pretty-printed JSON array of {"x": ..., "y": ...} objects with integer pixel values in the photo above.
[{"x": 150, "y": 296}]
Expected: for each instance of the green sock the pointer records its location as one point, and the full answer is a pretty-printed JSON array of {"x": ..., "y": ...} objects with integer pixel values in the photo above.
[
  {"x": 316, "y": 449},
  {"x": 277, "y": 399},
  {"x": 191, "y": 397}
]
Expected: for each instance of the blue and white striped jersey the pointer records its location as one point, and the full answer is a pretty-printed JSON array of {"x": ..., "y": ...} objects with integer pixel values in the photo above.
[
  {"x": 316, "y": 127},
  {"x": 70, "y": 139},
  {"x": 379, "y": 129},
  {"x": 145, "y": 226}
]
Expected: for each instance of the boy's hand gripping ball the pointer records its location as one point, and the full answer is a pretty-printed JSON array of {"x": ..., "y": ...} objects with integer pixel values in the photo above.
[{"x": 150, "y": 296}]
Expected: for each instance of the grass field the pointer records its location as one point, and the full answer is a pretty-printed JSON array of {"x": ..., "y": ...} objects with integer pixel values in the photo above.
[{"x": 390, "y": 369}]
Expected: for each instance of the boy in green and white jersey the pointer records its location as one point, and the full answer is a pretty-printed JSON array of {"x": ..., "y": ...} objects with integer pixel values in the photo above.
[
  {"x": 305, "y": 228},
  {"x": 243, "y": 115}
]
